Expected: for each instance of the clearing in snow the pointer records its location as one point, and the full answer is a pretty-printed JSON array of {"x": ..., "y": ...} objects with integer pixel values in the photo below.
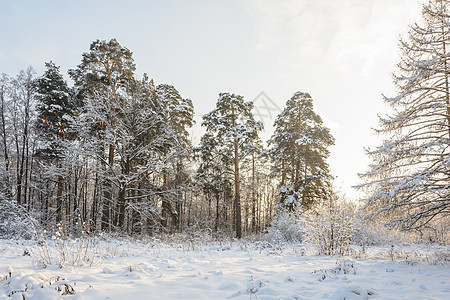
[{"x": 221, "y": 270}]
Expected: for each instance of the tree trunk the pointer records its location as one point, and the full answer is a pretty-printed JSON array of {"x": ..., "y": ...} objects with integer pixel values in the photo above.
[
  {"x": 59, "y": 199},
  {"x": 216, "y": 226},
  {"x": 107, "y": 185},
  {"x": 3, "y": 124},
  {"x": 447, "y": 96},
  {"x": 237, "y": 181},
  {"x": 305, "y": 185},
  {"x": 122, "y": 194},
  {"x": 253, "y": 194},
  {"x": 237, "y": 189},
  {"x": 107, "y": 200}
]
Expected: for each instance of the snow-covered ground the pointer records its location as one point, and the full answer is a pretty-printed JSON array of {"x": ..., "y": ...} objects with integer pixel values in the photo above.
[{"x": 224, "y": 270}]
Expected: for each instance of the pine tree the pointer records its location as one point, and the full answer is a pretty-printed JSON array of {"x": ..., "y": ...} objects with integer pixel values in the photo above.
[
  {"x": 215, "y": 164},
  {"x": 409, "y": 179},
  {"x": 298, "y": 150},
  {"x": 178, "y": 113},
  {"x": 107, "y": 65},
  {"x": 233, "y": 125},
  {"x": 105, "y": 71}
]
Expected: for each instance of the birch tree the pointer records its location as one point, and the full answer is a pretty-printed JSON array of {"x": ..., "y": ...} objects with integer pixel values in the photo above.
[{"x": 21, "y": 113}]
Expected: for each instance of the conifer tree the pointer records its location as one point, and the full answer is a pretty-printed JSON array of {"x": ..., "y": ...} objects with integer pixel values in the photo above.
[
  {"x": 298, "y": 150},
  {"x": 54, "y": 109},
  {"x": 105, "y": 71},
  {"x": 233, "y": 125},
  {"x": 178, "y": 113}
]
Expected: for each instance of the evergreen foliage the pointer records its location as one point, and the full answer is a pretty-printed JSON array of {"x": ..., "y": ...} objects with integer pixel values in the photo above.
[
  {"x": 298, "y": 150},
  {"x": 54, "y": 109},
  {"x": 233, "y": 126}
]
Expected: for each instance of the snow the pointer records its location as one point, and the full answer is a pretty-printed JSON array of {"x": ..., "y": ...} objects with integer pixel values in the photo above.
[
  {"x": 304, "y": 140},
  {"x": 227, "y": 270}
]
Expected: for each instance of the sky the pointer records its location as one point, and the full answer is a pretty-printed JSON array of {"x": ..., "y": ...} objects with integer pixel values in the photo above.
[{"x": 341, "y": 52}]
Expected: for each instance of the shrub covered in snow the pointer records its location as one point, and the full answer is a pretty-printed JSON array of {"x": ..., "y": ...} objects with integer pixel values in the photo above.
[
  {"x": 15, "y": 220},
  {"x": 370, "y": 233},
  {"x": 330, "y": 228},
  {"x": 335, "y": 226},
  {"x": 62, "y": 251},
  {"x": 286, "y": 226}
]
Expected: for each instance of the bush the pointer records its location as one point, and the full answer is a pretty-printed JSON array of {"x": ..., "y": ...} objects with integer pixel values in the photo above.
[
  {"x": 330, "y": 228},
  {"x": 15, "y": 221},
  {"x": 285, "y": 227},
  {"x": 64, "y": 251}
]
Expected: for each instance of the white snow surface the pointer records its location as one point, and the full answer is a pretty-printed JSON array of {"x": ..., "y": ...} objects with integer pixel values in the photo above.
[{"x": 227, "y": 270}]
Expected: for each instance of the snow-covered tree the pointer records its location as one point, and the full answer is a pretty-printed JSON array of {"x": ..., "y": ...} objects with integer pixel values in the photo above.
[
  {"x": 21, "y": 116},
  {"x": 232, "y": 124},
  {"x": 254, "y": 170},
  {"x": 330, "y": 226},
  {"x": 105, "y": 71},
  {"x": 107, "y": 65},
  {"x": 179, "y": 115},
  {"x": 54, "y": 109},
  {"x": 409, "y": 179},
  {"x": 215, "y": 163},
  {"x": 4, "y": 121},
  {"x": 17, "y": 101},
  {"x": 298, "y": 150},
  {"x": 54, "y": 106}
]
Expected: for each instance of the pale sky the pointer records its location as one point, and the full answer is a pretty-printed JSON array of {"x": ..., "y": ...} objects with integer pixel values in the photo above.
[{"x": 342, "y": 52}]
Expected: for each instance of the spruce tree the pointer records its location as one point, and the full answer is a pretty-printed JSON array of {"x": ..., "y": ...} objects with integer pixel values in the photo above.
[{"x": 54, "y": 110}]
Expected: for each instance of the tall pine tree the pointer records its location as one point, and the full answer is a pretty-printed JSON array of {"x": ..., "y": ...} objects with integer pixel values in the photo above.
[
  {"x": 105, "y": 71},
  {"x": 298, "y": 150},
  {"x": 179, "y": 115},
  {"x": 232, "y": 123}
]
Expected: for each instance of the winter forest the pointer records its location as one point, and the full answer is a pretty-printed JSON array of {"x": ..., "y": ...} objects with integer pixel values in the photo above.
[{"x": 106, "y": 159}]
